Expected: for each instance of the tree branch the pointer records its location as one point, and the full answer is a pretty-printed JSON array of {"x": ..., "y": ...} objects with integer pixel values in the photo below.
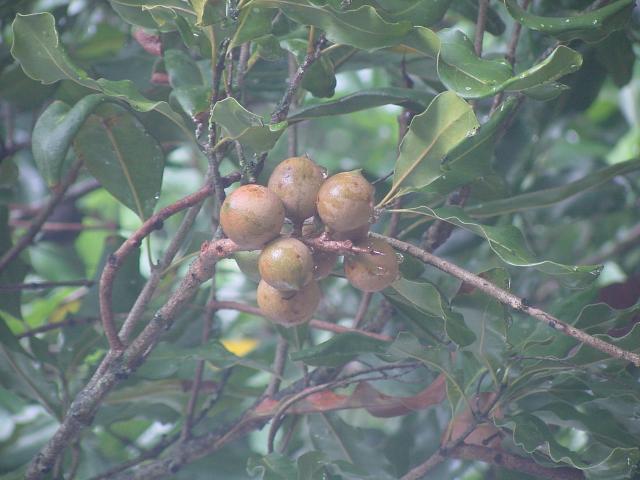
[
  {"x": 37, "y": 223},
  {"x": 118, "y": 365},
  {"x": 44, "y": 285},
  {"x": 511, "y": 300},
  {"x": 313, "y": 53}
]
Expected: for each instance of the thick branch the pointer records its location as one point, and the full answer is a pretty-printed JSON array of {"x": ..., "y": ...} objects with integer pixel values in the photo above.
[
  {"x": 37, "y": 223},
  {"x": 511, "y": 300},
  {"x": 118, "y": 365}
]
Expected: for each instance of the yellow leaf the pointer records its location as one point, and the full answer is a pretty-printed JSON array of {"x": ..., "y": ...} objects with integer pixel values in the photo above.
[
  {"x": 240, "y": 347},
  {"x": 60, "y": 313}
]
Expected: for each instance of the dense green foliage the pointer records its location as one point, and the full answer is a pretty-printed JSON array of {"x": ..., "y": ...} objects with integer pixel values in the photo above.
[{"x": 542, "y": 148}]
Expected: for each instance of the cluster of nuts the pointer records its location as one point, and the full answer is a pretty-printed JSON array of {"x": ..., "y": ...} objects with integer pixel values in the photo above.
[{"x": 338, "y": 208}]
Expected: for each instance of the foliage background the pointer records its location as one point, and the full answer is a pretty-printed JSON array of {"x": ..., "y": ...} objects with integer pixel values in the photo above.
[{"x": 562, "y": 403}]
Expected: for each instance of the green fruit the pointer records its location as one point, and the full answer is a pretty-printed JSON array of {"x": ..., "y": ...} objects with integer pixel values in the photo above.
[
  {"x": 286, "y": 264},
  {"x": 248, "y": 264},
  {"x": 372, "y": 273},
  {"x": 251, "y": 216},
  {"x": 296, "y": 181},
  {"x": 323, "y": 263},
  {"x": 345, "y": 201},
  {"x": 288, "y": 309}
]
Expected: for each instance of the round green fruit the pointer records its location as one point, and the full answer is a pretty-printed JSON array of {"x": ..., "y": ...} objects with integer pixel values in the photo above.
[
  {"x": 248, "y": 264},
  {"x": 296, "y": 181},
  {"x": 345, "y": 201},
  {"x": 251, "y": 216},
  {"x": 370, "y": 272},
  {"x": 286, "y": 264},
  {"x": 288, "y": 309}
]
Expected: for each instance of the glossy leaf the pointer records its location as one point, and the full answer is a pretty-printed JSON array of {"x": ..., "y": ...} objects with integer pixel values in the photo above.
[
  {"x": 425, "y": 297},
  {"x": 432, "y": 135},
  {"x": 320, "y": 79},
  {"x": 412, "y": 99},
  {"x": 254, "y": 22},
  {"x": 531, "y": 433},
  {"x": 591, "y": 26},
  {"x": 551, "y": 196},
  {"x": 463, "y": 72},
  {"x": 126, "y": 160},
  {"x": 54, "y": 131},
  {"x": 508, "y": 243},
  {"x": 469, "y": 9},
  {"x": 339, "y": 350},
  {"x": 166, "y": 359},
  {"x": 472, "y": 158},
  {"x": 37, "y": 47},
  {"x": 247, "y": 127},
  {"x": 418, "y": 12},
  {"x": 14, "y": 272},
  {"x": 126, "y": 285},
  {"x": 182, "y": 70}
]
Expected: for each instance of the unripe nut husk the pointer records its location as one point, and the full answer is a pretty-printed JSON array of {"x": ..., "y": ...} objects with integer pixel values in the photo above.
[
  {"x": 247, "y": 262},
  {"x": 286, "y": 264},
  {"x": 345, "y": 201},
  {"x": 288, "y": 309},
  {"x": 296, "y": 181},
  {"x": 251, "y": 216},
  {"x": 370, "y": 272}
]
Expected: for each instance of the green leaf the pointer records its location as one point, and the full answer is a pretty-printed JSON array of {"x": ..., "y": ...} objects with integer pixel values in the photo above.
[
  {"x": 489, "y": 320},
  {"x": 531, "y": 433},
  {"x": 508, "y": 243},
  {"x": 54, "y": 131},
  {"x": 166, "y": 359},
  {"x": 182, "y": 70},
  {"x": 198, "y": 7},
  {"x": 415, "y": 100},
  {"x": 126, "y": 285},
  {"x": 591, "y": 26},
  {"x": 550, "y": 196},
  {"x": 462, "y": 71},
  {"x": 362, "y": 28},
  {"x": 14, "y": 272},
  {"x": 472, "y": 77},
  {"x": 192, "y": 100},
  {"x": 418, "y": 12},
  {"x": 432, "y": 135},
  {"x": 426, "y": 297},
  {"x": 339, "y": 350},
  {"x": 37, "y": 47},
  {"x": 274, "y": 466},
  {"x": 471, "y": 159},
  {"x": 254, "y": 22},
  {"x": 320, "y": 79},
  {"x": 125, "y": 159},
  {"x": 462, "y": 372},
  {"x": 469, "y": 9},
  {"x": 616, "y": 53},
  {"x": 247, "y": 127}
]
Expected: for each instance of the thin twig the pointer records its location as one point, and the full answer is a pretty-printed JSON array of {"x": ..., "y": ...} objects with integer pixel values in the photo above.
[
  {"x": 44, "y": 285},
  {"x": 37, "y": 223},
  {"x": 69, "y": 322},
  {"x": 319, "y": 324},
  {"x": 480, "y": 25},
  {"x": 279, "y": 362},
  {"x": 312, "y": 55},
  {"x": 511, "y": 300},
  {"x": 292, "y": 133}
]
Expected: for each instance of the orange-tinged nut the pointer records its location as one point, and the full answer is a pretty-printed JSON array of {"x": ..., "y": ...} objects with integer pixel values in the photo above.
[
  {"x": 296, "y": 181},
  {"x": 288, "y": 309},
  {"x": 251, "y": 216},
  {"x": 286, "y": 264},
  {"x": 370, "y": 272},
  {"x": 345, "y": 201}
]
